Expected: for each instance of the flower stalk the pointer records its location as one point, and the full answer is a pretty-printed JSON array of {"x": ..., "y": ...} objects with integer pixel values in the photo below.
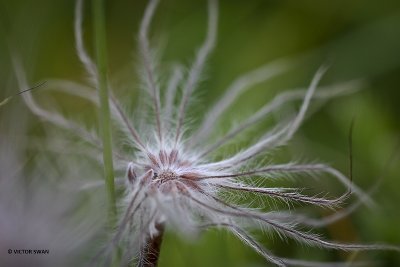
[
  {"x": 105, "y": 125},
  {"x": 151, "y": 251}
]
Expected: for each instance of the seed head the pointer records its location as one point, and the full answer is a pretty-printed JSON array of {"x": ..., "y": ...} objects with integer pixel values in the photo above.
[{"x": 173, "y": 180}]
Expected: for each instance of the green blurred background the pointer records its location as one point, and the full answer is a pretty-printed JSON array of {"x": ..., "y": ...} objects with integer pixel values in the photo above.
[{"x": 358, "y": 39}]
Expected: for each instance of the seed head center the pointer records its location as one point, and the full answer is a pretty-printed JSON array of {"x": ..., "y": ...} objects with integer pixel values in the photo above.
[{"x": 167, "y": 176}]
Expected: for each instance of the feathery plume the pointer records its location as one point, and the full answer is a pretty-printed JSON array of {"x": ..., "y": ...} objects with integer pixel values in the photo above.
[{"x": 172, "y": 180}]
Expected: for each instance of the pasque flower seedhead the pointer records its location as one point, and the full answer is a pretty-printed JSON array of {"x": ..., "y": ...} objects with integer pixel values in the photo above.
[{"x": 172, "y": 178}]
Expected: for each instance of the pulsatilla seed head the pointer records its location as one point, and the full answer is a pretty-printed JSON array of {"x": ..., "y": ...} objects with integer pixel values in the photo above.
[
  {"x": 174, "y": 177},
  {"x": 171, "y": 172}
]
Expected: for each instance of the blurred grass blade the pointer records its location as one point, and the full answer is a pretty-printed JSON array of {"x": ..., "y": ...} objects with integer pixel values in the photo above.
[{"x": 101, "y": 60}]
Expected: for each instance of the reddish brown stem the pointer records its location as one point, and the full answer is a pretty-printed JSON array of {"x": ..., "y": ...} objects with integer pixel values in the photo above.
[{"x": 151, "y": 251}]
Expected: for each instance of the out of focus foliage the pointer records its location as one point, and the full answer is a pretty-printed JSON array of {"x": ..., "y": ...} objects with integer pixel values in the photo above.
[{"x": 358, "y": 39}]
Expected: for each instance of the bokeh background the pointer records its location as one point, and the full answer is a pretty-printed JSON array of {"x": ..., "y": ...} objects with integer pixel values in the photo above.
[{"x": 357, "y": 39}]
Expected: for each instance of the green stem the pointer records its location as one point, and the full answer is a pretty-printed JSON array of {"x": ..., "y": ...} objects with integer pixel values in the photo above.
[{"x": 101, "y": 60}]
